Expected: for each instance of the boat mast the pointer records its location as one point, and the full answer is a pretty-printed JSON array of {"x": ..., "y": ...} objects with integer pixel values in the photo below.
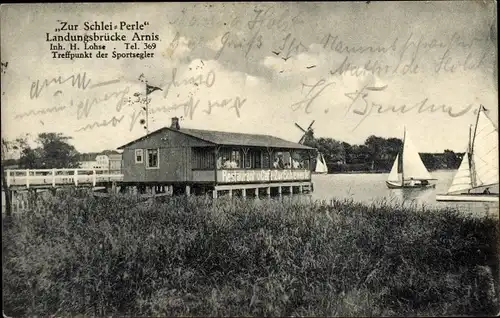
[
  {"x": 471, "y": 161},
  {"x": 402, "y": 159},
  {"x": 469, "y": 149},
  {"x": 469, "y": 146}
]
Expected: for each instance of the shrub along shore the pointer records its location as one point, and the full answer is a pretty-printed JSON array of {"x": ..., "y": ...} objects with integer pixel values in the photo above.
[{"x": 77, "y": 254}]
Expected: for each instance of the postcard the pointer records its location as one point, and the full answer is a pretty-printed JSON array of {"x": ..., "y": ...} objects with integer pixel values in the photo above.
[{"x": 344, "y": 101}]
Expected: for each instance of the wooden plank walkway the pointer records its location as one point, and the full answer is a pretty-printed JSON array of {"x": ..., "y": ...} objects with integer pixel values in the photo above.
[{"x": 47, "y": 178}]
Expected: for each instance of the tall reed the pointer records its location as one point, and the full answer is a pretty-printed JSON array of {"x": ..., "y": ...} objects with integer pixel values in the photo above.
[{"x": 77, "y": 254}]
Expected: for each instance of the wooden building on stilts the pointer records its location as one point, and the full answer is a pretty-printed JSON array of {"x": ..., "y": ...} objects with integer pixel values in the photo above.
[{"x": 175, "y": 160}]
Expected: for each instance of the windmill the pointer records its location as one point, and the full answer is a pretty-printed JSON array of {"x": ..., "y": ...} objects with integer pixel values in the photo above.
[
  {"x": 309, "y": 140},
  {"x": 308, "y": 134}
]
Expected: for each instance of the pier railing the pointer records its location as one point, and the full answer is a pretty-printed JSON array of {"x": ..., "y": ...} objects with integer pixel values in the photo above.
[{"x": 56, "y": 177}]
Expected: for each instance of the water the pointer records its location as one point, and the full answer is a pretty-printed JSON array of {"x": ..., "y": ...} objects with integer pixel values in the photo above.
[{"x": 371, "y": 187}]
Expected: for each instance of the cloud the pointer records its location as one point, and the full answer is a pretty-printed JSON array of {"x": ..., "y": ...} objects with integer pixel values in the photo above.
[
  {"x": 177, "y": 49},
  {"x": 315, "y": 48},
  {"x": 252, "y": 80},
  {"x": 215, "y": 44},
  {"x": 293, "y": 65}
]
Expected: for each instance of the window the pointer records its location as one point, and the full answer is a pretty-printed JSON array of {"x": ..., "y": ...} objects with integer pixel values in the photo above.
[
  {"x": 139, "y": 156},
  {"x": 277, "y": 160},
  {"x": 248, "y": 160},
  {"x": 257, "y": 159},
  {"x": 266, "y": 164},
  {"x": 152, "y": 158},
  {"x": 203, "y": 159},
  {"x": 236, "y": 159},
  {"x": 230, "y": 159}
]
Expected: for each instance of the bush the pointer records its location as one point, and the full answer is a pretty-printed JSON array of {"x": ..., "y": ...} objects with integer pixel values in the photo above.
[{"x": 78, "y": 254}]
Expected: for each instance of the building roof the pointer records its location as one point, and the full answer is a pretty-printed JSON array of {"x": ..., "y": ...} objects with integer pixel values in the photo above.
[
  {"x": 109, "y": 152},
  {"x": 115, "y": 156},
  {"x": 92, "y": 156},
  {"x": 230, "y": 139},
  {"x": 87, "y": 156}
]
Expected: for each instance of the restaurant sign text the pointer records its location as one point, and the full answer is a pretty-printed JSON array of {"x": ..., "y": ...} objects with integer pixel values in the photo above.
[{"x": 262, "y": 175}]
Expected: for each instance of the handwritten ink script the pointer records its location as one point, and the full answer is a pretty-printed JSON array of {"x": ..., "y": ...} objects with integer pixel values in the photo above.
[
  {"x": 408, "y": 55},
  {"x": 237, "y": 103},
  {"x": 206, "y": 80},
  {"x": 190, "y": 105},
  {"x": 42, "y": 111},
  {"x": 77, "y": 80},
  {"x": 230, "y": 40},
  {"x": 274, "y": 19},
  {"x": 84, "y": 107},
  {"x": 189, "y": 108},
  {"x": 113, "y": 121},
  {"x": 245, "y": 32},
  {"x": 314, "y": 92},
  {"x": 362, "y": 103},
  {"x": 123, "y": 99},
  {"x": 252, "y": 36},
  {"x": 392, "y": 59}
]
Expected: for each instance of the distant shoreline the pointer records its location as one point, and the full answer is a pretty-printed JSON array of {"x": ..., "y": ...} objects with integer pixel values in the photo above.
[
  {"x": 358, "y": 172},
  {"x": 378, "y": 171}
]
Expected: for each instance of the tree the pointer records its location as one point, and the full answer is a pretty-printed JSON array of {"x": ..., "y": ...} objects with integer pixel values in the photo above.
[
  {"x": 53, "y": 151},
  {"x": 393, "y": 146},
  {"x": 332, "y": 150},
  {"x": 5, "y": 188},
  {"x": 376, "y": 148},
  {"x": 8, "y": 147},
  {"x": 430, "y": 160},
  {"x": 451, "y": 159},
  {"x": 348, "y": 152},
  {"x": 30, "y": 158},
  {"x": 359, "y": 154}
]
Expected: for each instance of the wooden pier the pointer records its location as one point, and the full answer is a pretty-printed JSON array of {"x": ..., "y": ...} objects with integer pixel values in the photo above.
[
  {"x": 31, "y": 181},
  {"x": 25, "y": 183},
  {"x": 19, "y": 179}
]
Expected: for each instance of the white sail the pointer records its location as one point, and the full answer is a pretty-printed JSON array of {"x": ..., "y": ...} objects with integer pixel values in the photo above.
[
  {"x": 320, "y": 164},
  {"x": 462, "y": 179},
  {"x": 413, "y": 167},
  {"x": 393, "y": 175},
  {"x": 484, "y": 152}
]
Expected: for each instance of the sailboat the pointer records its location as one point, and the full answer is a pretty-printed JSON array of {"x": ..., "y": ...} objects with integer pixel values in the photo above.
[
  {"x": 414, "y": 174},
  {"x": 478, "y": 171},
  {"x": 321, "y": 167}
]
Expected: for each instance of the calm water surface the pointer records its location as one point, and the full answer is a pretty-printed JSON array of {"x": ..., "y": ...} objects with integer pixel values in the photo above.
[{"x": 371, "y": 187}]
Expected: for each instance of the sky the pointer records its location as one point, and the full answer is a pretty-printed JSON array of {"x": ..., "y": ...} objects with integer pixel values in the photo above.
[{"x": 355, "y": 69}]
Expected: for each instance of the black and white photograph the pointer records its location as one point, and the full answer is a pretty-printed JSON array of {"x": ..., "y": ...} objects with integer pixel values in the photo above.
[{"x": 250, "y": 159}]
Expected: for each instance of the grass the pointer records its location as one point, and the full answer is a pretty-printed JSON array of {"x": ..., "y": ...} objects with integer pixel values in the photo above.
[{"x": 79, "y": 255}]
